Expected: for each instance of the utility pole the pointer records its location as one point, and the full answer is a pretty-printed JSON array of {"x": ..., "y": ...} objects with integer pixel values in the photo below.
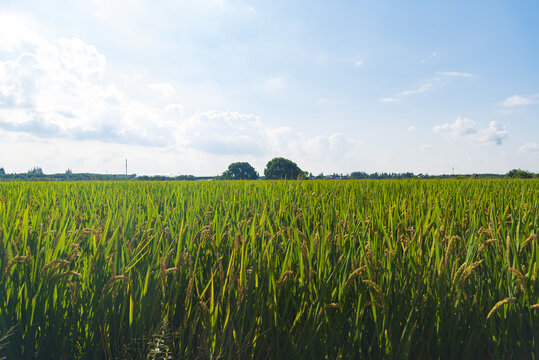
[{"x": 125, "y": 166}]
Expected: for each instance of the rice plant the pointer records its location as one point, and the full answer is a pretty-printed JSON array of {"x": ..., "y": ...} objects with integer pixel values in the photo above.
[{"x": 269, "y": 269}]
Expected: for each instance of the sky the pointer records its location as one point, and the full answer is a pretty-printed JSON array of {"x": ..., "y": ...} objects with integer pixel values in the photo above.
[{"x": 190, "y": 86}]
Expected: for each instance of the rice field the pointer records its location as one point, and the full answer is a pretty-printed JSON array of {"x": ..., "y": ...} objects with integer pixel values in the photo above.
[{"x": 420, "y": 269}]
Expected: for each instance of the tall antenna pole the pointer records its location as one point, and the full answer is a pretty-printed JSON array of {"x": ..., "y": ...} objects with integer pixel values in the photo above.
[{"x": 125, "y": 166}]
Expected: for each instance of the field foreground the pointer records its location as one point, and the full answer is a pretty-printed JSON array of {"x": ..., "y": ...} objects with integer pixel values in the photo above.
[{"x": 287, "y": 269}]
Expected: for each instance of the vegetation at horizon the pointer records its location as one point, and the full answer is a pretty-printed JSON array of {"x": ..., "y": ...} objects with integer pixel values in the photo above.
[
  {"x": 277, "y": 168},
  {"x": 275, "y": 269}
]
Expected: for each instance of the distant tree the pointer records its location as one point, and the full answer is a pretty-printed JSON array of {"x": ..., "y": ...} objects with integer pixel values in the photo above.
[
  {"x": 376, "y": 175},
  {"x": 239, "y": 171},
  {"x": 36, "y": 171},
  {"x": 281, "y": 168},
  {"x": 185, "y": 177},
  {"x": 359, "y": 175},
  {"x": 2, "y": 171},
  {"x": 519, "y": 174},
  {"x": 69, "y": 172}
]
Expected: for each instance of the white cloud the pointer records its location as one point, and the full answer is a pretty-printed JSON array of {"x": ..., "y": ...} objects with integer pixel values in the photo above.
[
  {"x": 518, "y": 100},
  {"x": 421, "y": 89},
  {"x": 425, "y": 147},
  {"x": 165, "y": 89},
  {"x": 461, "y": 127},
  {"x": 274, "y": 84},
  {"x": 358, "y": 63},
  {"x": 57, "y": 89},
  {"x": 495, "y": 133},
  {"x": 432, "y": 57},
  {"x": 442, "y": 78},
  {"x": 222, "y": 132},
  {"x": 529, "y": 147},
  {"x": 469, "y": 130},
  {"x": 227, "y": 133},
  {"x": 14, "y": 32},
  {"x": 411, "y": 128},
  {"x": 453, "y": 74}
]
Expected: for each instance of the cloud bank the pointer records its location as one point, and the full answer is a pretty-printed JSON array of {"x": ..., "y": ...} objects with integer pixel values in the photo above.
[
  {"x": 57, "y": 89},
  {"x": 62, "y": 90}
]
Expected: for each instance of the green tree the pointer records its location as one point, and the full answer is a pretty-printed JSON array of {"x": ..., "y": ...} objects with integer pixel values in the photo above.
[
  {"x": 281, "y": 168},
  {"x": 239, "y": 171},
  {"x": 36, "y": 171},
  {"x": 519, "y": 174},
  {"x": 2, "y": 171}
]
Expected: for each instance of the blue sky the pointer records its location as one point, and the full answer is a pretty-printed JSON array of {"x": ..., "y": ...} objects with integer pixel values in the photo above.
[{"x": 187, "y": 87}]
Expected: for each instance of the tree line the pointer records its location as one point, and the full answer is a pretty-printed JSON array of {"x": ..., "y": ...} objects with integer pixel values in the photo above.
[{"x": 276, "y": 168}]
